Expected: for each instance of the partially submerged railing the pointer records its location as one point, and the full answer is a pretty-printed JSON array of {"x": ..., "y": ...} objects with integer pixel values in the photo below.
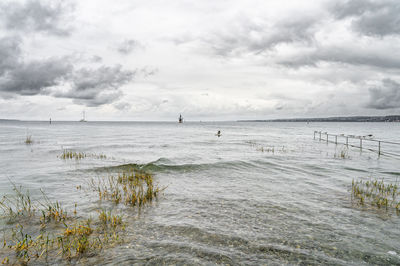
[{"x": 392, "y": 148}]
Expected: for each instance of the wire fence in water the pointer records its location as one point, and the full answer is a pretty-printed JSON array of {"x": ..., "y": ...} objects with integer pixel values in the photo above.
[{"x": 381, "y": 147}]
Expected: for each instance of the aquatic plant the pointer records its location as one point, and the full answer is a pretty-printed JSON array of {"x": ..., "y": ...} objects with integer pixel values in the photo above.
[
  {"x": 52, "y": 211},
  {"x": 343, "y": 154},
  {"x": 269, "y": 149},
  {"x": 108, "y": 219},
  {"x": 67, "y": 154},
  {"x": 44, "y": 231},
  {"x": 72, "y": 155},
  {"x": 266, "y": 149},
  {"x": 19, "y": 204},
  {"x": 377, "y": 194},
  {"x": 72, "y": 238},
  {"x": 133, "y": 187},
  {"x": 28, "y": 139}
]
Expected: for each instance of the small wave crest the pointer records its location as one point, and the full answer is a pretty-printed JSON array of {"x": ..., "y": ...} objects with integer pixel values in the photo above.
[{"x": 166, "y": 165}]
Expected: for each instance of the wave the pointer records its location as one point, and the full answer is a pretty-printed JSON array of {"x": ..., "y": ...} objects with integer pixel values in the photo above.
[{"x": 166, "y": 165}]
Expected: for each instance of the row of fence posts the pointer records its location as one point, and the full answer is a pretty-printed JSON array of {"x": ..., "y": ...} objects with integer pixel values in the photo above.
[{"x": 347, "y": 140}]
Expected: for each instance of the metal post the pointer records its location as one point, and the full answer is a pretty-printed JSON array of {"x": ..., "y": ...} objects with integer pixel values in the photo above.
[
  {"x": 327, "y": 137},
  {"x": 379, "y": 148},
  {"x": 360, "y": 143},
  {"x": 336, "y": 140},
  {"x": 347, "y": 141},
  {"x": 320, "y": 136}
]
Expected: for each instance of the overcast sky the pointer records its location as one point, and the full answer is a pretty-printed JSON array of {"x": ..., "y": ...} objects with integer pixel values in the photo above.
[{"x": 209, "y": 59}]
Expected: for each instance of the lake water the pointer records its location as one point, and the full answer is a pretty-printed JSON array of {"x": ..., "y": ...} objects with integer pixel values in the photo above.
[{"x": 262, "y": 193}]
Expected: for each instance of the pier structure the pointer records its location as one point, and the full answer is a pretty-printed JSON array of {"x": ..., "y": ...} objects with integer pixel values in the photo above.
[{"x": 362, "y": 142}]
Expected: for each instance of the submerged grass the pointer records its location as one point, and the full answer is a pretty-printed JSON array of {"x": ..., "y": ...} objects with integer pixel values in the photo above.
[
  {"x": 377, "y": 194},
  {"x": 342, "y": 154},
  {"x": 19, "y": 204},
  {"x": 268, "y": 149},
  {"x": 69, "y": 237},
  {"x": 67, "y": 154},
  {"x": 42, "y": 230},
  {"x": 73, "y": 242},
  {"x": 132, "y": 187},
  {"x": 28, "y": 140}
]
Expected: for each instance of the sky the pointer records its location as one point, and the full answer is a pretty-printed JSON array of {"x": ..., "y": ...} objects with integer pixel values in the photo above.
[{"x": 209, "y": 60}]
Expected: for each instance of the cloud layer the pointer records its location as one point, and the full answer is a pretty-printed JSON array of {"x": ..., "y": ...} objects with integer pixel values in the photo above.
[
  {"x": 38, "y": 16},
  {"x": 56, "y": 76},
  {"x": 385, "y": 96},
  {"x": 210, "y": 59}
]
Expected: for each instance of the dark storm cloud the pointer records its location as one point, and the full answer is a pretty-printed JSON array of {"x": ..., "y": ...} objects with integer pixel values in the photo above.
[
  {"x": 386, "y": 96},
  {"x": 50, "y": 76},
  {"x": 101, "y": 78},
  {"x": 94, "y": 87},
  {"x": 35, "y": 77},
  {"x": 246, "y": 36},
  {"x": 91, "y": 87},
  {"x": 371, "y": 17},
  {"x": 127, "y": 46},
  {"x": 31, "y": 78},
  {"x": 35, "y": 15}
]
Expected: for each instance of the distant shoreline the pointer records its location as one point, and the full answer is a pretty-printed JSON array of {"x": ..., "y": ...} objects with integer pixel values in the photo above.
[{"x": 388, "y": 118}]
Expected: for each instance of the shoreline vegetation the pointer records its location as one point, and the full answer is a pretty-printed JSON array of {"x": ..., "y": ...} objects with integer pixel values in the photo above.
[{"x": 42, "y": 231}]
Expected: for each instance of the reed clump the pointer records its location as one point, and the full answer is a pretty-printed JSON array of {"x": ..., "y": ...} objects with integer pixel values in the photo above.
[
  {"x": 67, "y": 154},
  {"x": 72, "y": 155},
  {"x": 342, "y": 154},
  {"x": 17, "y": 205},
  {"x": 107, "y": 219},
  {"x": 69, "y": 237},
  {"x": 132, "y": 188},
  {"x": 52, "y": 211},
  {"x": 266, "y": 149},
  {"x": 28, "y": 140},
  {"x": 377, "y": 194},
  {"x": 20, "y": 205},
  {"x": 269, "y": 149}
]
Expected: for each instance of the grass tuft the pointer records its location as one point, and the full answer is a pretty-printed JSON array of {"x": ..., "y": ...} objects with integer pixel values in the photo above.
[
  {"x": 28, "y": 140},
  {"x": 377, "y": 194},
  {"x": 343, "y": 154},
  {"x": 69, "y": 238},
  {"x": 132, "y": 187},
  {"x": 69, "y": 155}
]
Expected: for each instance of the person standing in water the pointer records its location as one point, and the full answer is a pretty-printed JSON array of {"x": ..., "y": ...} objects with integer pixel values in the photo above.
[{"x": 219, "y": 133}]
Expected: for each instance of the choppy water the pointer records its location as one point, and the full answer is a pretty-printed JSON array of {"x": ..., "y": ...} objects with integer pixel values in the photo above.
[{"x": 226, "y": 201}]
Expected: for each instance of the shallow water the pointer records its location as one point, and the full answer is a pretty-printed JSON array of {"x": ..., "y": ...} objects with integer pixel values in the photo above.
[{"x": 227, "y": 201}]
